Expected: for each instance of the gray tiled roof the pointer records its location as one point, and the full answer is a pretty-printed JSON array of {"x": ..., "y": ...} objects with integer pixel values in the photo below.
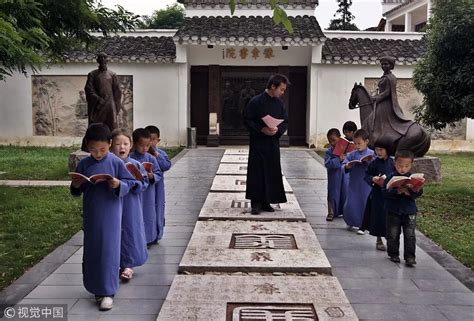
[
  {"x": 368, "y": 51},
  {"x": 249, "y": 31},
  {"x": 257, "y": 3},
  {"x": 129, "y": 49}
]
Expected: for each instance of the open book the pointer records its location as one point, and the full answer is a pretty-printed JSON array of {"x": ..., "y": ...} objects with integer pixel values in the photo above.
[
  {"x": 414, "y": 182},
  {"x": 134, "y": 171},
  {"x": 94, "y": 179},
  {"x": 272, "y": 122},
  {"x": 343, "y": 146},
  {"x": 366, "y": 158},
  {"x": 148, "y": 166}
]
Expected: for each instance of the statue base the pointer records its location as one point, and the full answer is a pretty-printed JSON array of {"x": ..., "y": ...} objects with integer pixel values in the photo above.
[
  {"x": 430, "y": 166},
  {"x": 285, "y": 141},
  {"x": 75, "y": 158},
  {"x": 212, "y": 141}
]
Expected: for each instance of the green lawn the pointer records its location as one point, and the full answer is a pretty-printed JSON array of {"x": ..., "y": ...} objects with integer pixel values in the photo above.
[
  {"x": 446, "y": 209},
  {"x": 33, "y": 222},
  {"x": 41, "y": 163}
]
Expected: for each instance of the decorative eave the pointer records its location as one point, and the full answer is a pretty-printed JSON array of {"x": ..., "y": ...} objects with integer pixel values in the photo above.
[
  {"x": 128, "y": 49},
  {"x": 369, "y": 51},
  {"x": 291, "y": 4},
  {"x": 407, "y": 2},
  {"x": 245, "y": 31}
]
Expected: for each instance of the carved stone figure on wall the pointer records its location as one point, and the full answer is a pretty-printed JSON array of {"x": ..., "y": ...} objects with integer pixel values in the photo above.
[
  {"x": 103, "y": 94},
  {"x": 381, "y": 114}
]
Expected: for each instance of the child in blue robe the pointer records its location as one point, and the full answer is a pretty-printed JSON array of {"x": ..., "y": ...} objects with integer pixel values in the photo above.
[
  {"x": 133, "y": 244},
  {"x": 335, "y": 176},
  {"x": 165, "y": 164},
  {"x": 378, "y": 170},
  {"x": 358, "y": 191},
  {"x": 348, "y": 130},
  {"x": 141, "y": 145},
  {"x": 102, "y": 214}
]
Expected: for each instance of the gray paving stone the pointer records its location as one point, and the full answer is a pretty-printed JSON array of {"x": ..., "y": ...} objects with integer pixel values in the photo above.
[
  {"x": 437, "y": 298},
  {"x": 63, "y": 279},
  {"x": 207, "y": 297},
  {"x": 457, "y": 313},
  {"x": 135, "y": 307},
  {"x": 392, "y": 284},
  {"x": 155, "y": 292},
  {"x": 70, "y": 302},
  {"x": 163, "y": 259},
  {"x": 59, "y": 292},
  {"x": 397, "y": 312},
  {"x": 37, "y": 273},
  {"x": 373, "y": 296},
  {"x": 442, "y": 286},
  {"x": 157, "y": 268},
  {"x": 70, "y": 268}
]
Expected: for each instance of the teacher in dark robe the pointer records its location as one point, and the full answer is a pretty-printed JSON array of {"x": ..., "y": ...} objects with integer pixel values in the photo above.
[{"x": 264, "y": 177}]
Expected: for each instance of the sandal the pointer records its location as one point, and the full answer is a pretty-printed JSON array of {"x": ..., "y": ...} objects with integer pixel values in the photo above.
[{"x": 126, "y": 275}]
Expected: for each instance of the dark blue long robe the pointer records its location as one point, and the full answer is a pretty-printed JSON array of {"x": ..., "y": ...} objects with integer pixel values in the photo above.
[
  {"x": 133, "y": 249},
  {"x": 335, "y": 182},
  {"x": 150, "y": 216},
  {"x": 375, "y": 213},
  {"x": 165, "y": 164},
  {"x": 102, "y": 208},
  {"x": 358, "y": 191}
]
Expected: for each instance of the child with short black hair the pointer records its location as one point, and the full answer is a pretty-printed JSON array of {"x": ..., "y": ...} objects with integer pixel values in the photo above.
[
  {"x": 133, "y": 250},
  {"x": 141, "y": 145},
  {"x": 348, "y": 129},
  {"x": 165, "y": 164},
  {"x": 375, "y": 213},
  {"x": 357, "y": 189},
  {"x": 335, "y": 176},
  {"x": 401, "y": 211},
  {"x": 102, "y": 214}
]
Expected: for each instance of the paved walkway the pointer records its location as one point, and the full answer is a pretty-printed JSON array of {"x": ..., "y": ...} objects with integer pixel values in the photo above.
[{"x": 377, "y": 288}]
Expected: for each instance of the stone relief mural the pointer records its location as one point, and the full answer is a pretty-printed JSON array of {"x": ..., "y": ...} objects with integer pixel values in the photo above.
[
  {"x": 60, "y": 107},
  {"x": 408, "y": 97}
]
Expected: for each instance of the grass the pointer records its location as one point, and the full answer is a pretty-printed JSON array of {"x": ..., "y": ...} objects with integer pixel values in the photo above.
[
  {"x": 33, "y": 222},
  {"x": 446, "y": 209},
  {"x": 41, "y": 163}
]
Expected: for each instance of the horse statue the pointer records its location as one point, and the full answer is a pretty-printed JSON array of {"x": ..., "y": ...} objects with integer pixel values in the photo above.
[{"x": 415, "y": 139}]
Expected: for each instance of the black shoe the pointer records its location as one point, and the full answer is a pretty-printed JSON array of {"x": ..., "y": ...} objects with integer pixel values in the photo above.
[
  {"x": 395, "y": 259},
  {"x": 255, "y": 211},
  {"x": 268, "y": 208},
  {"x": 410, "y": 262}
]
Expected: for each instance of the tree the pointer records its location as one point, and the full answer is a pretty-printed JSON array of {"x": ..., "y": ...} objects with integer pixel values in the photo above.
[
  {"x": 445, "y": 75},
  {"x": 344, "y": 22},
  {"x": 170, "y": 18},
  {"x": 34, "y": 32},
  {"x": 279, "y": 15}
]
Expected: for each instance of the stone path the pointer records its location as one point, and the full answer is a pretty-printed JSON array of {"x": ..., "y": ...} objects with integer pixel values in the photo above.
[{"x": 376, "y": 288}]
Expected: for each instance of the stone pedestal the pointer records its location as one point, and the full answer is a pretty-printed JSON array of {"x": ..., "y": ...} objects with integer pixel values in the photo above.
[
  {"x": 75, "y": 158},
  {"x": 430, "y": 166},
  {"x": 212, "y": 141},
  {"x": 285, "y": 141}
]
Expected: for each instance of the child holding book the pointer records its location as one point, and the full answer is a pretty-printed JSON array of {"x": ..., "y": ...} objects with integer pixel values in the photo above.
[
  {"x": 356, "y": 164},
  {"x": 133, "y": 243},
  {"x": 141, "y": 146},
  {"x": 348, "y": 129},
  {"x": 375, "y": 213},
  {"x": 165, "y": 164},
  {"x": 401, "y": 211},
  {"x": 102, "y": 214},
  {"x": 335, "y": 173}
]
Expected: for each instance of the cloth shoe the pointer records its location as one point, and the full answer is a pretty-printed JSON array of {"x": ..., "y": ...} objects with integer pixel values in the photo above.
[
  {"x": 395, "y": 259},
  {"x": 360, "y": 232},
  {"x": 106, "y": 303},
  {"x": 267, "y": 208},
  {"x": 410, "y": 262}
]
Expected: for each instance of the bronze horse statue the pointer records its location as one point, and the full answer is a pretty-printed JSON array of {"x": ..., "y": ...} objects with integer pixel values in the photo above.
[{"x": 415, "y": 138}]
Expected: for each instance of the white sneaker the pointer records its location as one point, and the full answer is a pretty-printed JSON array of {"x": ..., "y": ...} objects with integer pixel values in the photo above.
[
  {"x": 106, "y": 303},
  {"x": 360, "y": 232}
]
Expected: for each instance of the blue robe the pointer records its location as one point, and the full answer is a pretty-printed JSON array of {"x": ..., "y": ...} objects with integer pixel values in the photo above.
[
  {"x": 335, "y": 182},
  {"x": 133, "y": 249},
  {"x": 150, "y": 217},
  {"x": 102, "y": 208},
  {"x": 165, "y": 164},
  {"x": 357, "y": 189},
  {"x": 375, "y": 213}
]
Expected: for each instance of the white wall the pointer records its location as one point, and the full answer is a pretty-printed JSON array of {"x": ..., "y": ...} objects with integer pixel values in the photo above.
[
  {"x": 156, "y": 98},
  {"x": 294, "y": 56},
  {"x": 334, "y": 86}
]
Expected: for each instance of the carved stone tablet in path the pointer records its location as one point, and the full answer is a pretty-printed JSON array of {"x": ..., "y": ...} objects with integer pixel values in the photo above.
[
  {"x": 277, "y": 247},
  {"x": 236, "y": 151},
  {"x": 237, "y": 183},
  {"x": 234, "y": 206},
  {"x": 232, "y": 169},
  {"x": 236, "y": 159},
  {"x": 266, "y": 298}
]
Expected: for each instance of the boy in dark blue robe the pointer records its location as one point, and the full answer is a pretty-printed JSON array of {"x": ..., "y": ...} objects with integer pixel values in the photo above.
[
  {"x": 102, "y": 214},
  {"x": 335, "y": 176},
  {"x": 348, "y": 130},
  {"x": 165, "y": 164},
  {"x": 133, "y": 244},
  {"x": 375, "y": 213},
  {"x": 401, "y": 211},
  {"x": 141, "y": 145},
  {"x": 358, "y": 191}
]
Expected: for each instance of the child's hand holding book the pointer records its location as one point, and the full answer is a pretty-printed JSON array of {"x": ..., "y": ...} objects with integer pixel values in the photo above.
[
  {"x": 114, "y": 183},
  {"x": 379, "y": 180}
]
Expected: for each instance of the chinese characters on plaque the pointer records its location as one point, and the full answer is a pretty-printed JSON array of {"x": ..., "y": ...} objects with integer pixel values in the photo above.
[{"x": 245, "y": 53}]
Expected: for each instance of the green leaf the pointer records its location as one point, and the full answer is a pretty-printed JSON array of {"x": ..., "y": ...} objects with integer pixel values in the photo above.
[
  {"x": 277, "y": 16},
  {"x": 232, "y": 7},
  {"x": 288, "y": 25}
]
